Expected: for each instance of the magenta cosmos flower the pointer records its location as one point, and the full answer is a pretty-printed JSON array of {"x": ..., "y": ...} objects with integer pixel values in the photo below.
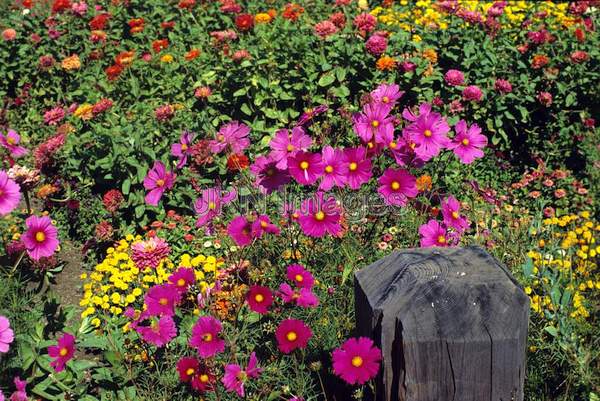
[
  {"x": 20, "y": 393},
  {"x": 396, "y": 186},
  {"x": 302, "y": 297},
  {"x": 387, "y": 95},
  {"x": 235, "y": 377},
  {"x": 309, "y": 114},
  {"x": 454, "y": 77},
  {"x": 292, "y": 334},
  {"x": 306, "y": 167},
  {"x": 269, "y": 178},
  {"x": 300, "y": 276},
  {"x": 262, "y": 225},
  {"x": 233, "y": 135},
  {"x": 240, "y": 230},
  {"x": 41, "y": 237},
  {"x": 157, "y": 181},
  {"x": 160, "y": 300},
  {"x": 433, "y": 234},
  {"x": 160, "y": 331},
  {"x": 358, "y": 166},
  {"x": 357, "y": 360},
  {"x": 11, "y": 143},
  {"x": 209, "y": 204},
  {"x": 319, "y": 216},
  {"x": 205, "y": 337},
  {"x": 10, "y": 194},
  {"x": 284, "y": 145},
  {"x": 451, "y": 213},
  {"x": 468, "y": 142},
  {"x": 259, "y": 299},
  {"x": 182, "y": 279},
  {"x": 6, "y": 334},
  {"x": 374, "y": 123},
  {"x": 182, "y": 149},
  {"x": 428, "y": 132},
  {"x": 334, "y": 172},
  {"x": 192, "y": 371},
  {"x": 62, "y": 352}
]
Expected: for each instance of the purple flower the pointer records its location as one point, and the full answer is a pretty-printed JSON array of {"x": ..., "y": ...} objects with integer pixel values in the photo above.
[
  {"x": 396, "y": 186},
  {"x": 319, "y": 216},
  {"x": 334, "y": 172},
  {"x": 358, "y": 166},
  {"x": 306, "y": 118},
  {"x": 240, "y": 230},
  {"x": 451, "y": 213},
  {"x": 428, "y": 131},
  {"x": 305, "y": 167},
  {"x": 233, "y": 135},
  {"x": 182, "y": 149},
  {"x": 54, "y": 116},
  {"x": 20, "y": 394},
  {"x": 503, "y": 86},
  {"x": 472, "y": 93},
  {"x": 387, "y": 95},
  {"x": 41, "y": 237},
  {"x": 433, "y": 234},
  {"x": 160, "y": 300},
  {"x": 6, "y": 335},
  {"x": 374, "y": 123},
  {"x": 157, "y": 181},
  {"x": 209, "y": 204},
  {"x": 376, "y": 45},
  {"x": 454, "y": 77},
  {"x": 262, "y": 225},
  {"x": 268, "y": 177},
  {"x": 468, "y": 143},
  {"x": 284, "y": 145},
  {"x": 10, "y": 194},
  {"x": 235, "y": 377},
  {"x": 11, "y": 143},
  {"x": 160, "y": 332},
  {"x": 205, "y": 337},
  {"x": 62, "y": 352}
]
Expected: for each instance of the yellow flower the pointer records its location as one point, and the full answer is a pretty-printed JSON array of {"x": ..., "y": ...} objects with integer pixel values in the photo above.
[
  {"x": 85, "y": 111},
  {"x": 71, "y": 63},
  {"x": 167, "y": 58},
  {"x": 262, "y": 18}
]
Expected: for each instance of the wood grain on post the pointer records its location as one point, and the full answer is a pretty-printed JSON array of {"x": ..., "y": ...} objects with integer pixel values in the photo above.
[{"x": 451, "y": 323}]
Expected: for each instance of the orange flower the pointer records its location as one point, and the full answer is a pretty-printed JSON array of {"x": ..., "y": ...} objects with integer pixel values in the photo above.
[
  {"x": 124, "y": 59},
  {"x": 192, "y": 54},
  {"x": 539, "y": 60},
  {"x": 46, "y": 190},
  {"x": 160, "y": 44},
  {"x": 431, "y": 55},
  {"x": 424, "y": 183},
  {"x": 385, "y": 63},
  {"x": 136, "y": 25},
  {"x": 113, "y": 72},
  {"x": 272, "y": 12},
  {"x": 71, "y": 63},
  {"x": 237, "y": 162},
  {"x": 262, "y": 18},
  {"x": 292, "y": 11}
]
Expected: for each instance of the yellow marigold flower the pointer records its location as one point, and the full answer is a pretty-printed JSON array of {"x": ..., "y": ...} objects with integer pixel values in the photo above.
[
  {"x": 167, "y": 58},
  {"x": 431, "y": 55},
  {"x": 71, "y": 63},
  {"x": 262, "y": 18},
  {"x": 85, "y": 111},
  {"x": 416, "y": 38},
  {"x": 95, "y": 322}
]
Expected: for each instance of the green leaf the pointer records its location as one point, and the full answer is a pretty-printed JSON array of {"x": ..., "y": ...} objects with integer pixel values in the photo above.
[
  {"x": 551, "y": 330},
  {"x": 528, "y": 267},
  {"x": 326, "y": 80},
  {"x": 240, "y": 92},
  {"x": 246, "y": 109},
  {"x": 126, "y": 186}
]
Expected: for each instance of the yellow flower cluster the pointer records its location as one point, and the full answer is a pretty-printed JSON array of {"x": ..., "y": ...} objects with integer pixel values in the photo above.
[
  {"x": 569, "y": 248},
  {"x": 117, "y": 283}
]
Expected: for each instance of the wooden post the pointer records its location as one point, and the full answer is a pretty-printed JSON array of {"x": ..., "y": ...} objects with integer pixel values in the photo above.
[{"x": 451, "y": 324}]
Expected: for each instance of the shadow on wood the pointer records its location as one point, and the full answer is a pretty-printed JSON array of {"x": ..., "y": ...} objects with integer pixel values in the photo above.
[{"x": 451, "y": 323}]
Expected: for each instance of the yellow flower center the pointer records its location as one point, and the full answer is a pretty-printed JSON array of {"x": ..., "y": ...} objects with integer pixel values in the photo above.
[
  {"x": 259, "y": 298},
  {"x": 40, "y": 236},
  {"x": 63, "y": 352},
  {"x": 207, "y": 337},
  {"x": 212, "y": 205},
  {"x": 357, "y": 361},
  {"x": 204, "y": 378},
  {"x": 270, "y": 172},
  {"x": 370, "y": 145},
  {"x": 465, "y": 141},
  {"x": 353, "y": 166},
  {"x": 290, "y": 147},
  {"x": 393, "y": 145},
  {"x": 190, "y": 371},
  {"x": 441, "y": 239},
  {"x": 291, "y": 336},
  {"x": 299, "y": 278},
  {"x": 184, "y": 147},
  {"x": 329, "y": 169},
  {"x": 220, "y": 137},
  {"x": 320, "y": 216},
  {"x": 375, "y": 123},
  {"x": 427, "y": 133},
  {"x": 385, "y": 99},
  {"x": 163, "y": 301},
  {"x": 11, "y": 140},
  {"x": 395, "y": 185},
  {"x": 264, "y": 224},
  {"x": 160, "y": 182},
  {"x": 181, "y": 282},
  {"x": 455, "y": 215},
  {"x": 304, "y": 165}
]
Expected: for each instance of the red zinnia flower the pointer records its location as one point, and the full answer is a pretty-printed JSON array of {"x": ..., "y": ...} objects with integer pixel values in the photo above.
[
  {"x": 186, "y": 4},
  {"x": 160, "y": 44},
  {"x": 244, "y": 22},
  {"x": 98, "y": 23},
  {"x": 60, "y": 5},
  {"x": 136, "y": 25}
]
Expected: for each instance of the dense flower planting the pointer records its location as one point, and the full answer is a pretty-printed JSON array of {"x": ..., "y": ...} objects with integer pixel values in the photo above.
[{"x": 187, "y": 187}]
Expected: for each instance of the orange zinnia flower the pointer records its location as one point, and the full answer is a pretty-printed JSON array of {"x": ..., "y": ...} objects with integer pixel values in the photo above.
[
  {"x": 192, "y": 54},
  {"x": 160, "y": 44},
  {"x": 385, "y": 63},
  {"x": 136, "y": 25},
  {"x": 124, "y": 59}
]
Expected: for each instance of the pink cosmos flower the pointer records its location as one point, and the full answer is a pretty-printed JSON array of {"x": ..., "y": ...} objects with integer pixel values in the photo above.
[
  {"x": 472, "y": 93},
  {"x": 454, "y": 77},
  {"x": 358, "y": 166},
  {"x": 41, "y": 237},
  {"x": 205, "y": 337},
  {"x": 268, "y": 177},
  {"x": 10, "y": 194},
  {"x": 428, "y": 131},
  {"x": 387, "y": 95},
  {"x": 233, "y": 135},
  {"x": 300, "y": 276},
  {"x": 240, "y": 230},
  {"x": 192, "y": 371},
  {"x": 182, "y": 279},
  {"x": 157, "y": 181},
  {"x": 433, "y": 234},
  {"x": 396, "y": 186},
  {"x": 160, "y": 332},
  {"x": 284, "y": 145},
  {"x": 468, "y": 143},
  {"x": 305, "y": 167},
  {"x": 182, "y": 149},
  {"x": 262, "y": 225},
  {"x": 148, "y": 254},
  {"x": 302, "y": 297},
  {"x": 62, "y": 352},
  {"x": 20, "y": 393},
  {"x": 11, "y": 143},
  {"x": 334, "y": 172},
  {"x": 357, "y": 360},
  {"x": 319, "y": 216},
  {"x": 160, "y": 300},
  {"x": 451, "y": 213},
  {"x": 209, "y": 204},
  {"x": 6, "y": 334},
  {"x": 374, "y": 123},
  {"x": 235, "y": 377},
  {"x": 259, "y": 299},
  {"x": 292, "y": 334}
]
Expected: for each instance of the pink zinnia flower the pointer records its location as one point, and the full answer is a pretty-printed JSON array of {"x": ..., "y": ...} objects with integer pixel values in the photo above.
[
  {"x": 157, "y": 181},
  {"x": 262, "y": 225},
  {"x": 11, "y": 143},
  {"x": 334, "y": 172},
  {"x": 268, "y": 177},
  {"x": 182, "y": 149},
  {"x": 503, "y": 86},
  {"x": 365, "y": 22},
  {"x": 451, "y": 213},
  {"x": 433, "y": 234},
  {"x": 41, "y": 237},
  {"x": 160, "y": 300},
  {"x": 358, "y": 166},
  {"x": 319, "y": 216},
  {"x": 54, "y": 116},
  {"x": 472, "y": 93},
  {"x": 235, "y": 377},
  {"x": 302, "y": 297},
  {"x": 305, "y": 167},
  {"x": 300, "y": 276},
  {"x": 387, "y": 95},
  {"x": 209, "y": 204},
  {"x": 376, "y": 45},
  {"x": 357, "y": 360},
  {"x": 325, "y": 28},
  {"x": 240, "y": 230},
  {"x": 428, "y": 131},
  {"x": 6, "y": 334},
  {"x": 284, "y": 145},
  {"x": 396, "y": 186},
  {"x": 292, "y": 334},
  {"x": 192, "y": 371},
  {"x": 149, "y": 253},
  {"x": 62, "y": 352},
  {"x": 234, "y": 136},
  {"x": 468, "y": 143},
  {"x": 545, "y": 98},
  {"x": 374, "y": 123},
  {"x": 259, "y": 299},
  {"x": 454, "y": 77},
  {"x": 182, "y": 279},
  {"x": 205, "y": 337},
  {"x": 160, "y": 332},
  {"x": 10, "y": 194}
]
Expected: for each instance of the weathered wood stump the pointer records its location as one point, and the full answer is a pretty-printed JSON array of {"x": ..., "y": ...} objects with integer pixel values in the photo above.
[{"x": 451, "y": 323}]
